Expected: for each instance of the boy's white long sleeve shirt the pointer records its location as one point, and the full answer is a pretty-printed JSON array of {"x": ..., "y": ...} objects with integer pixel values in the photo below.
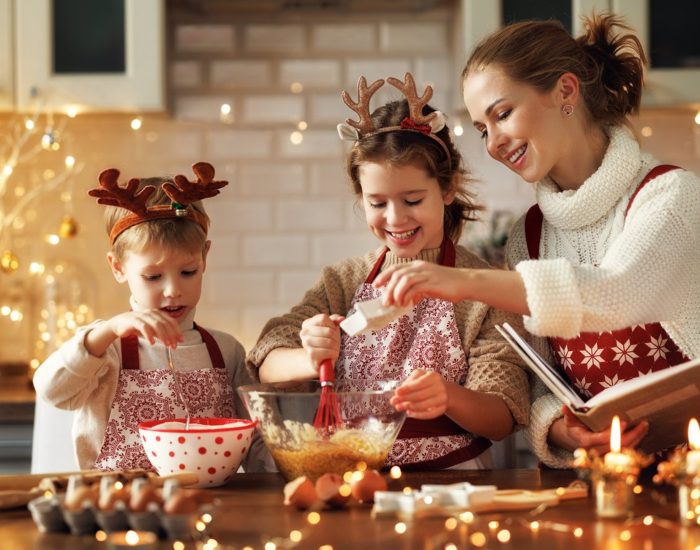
[{"x": 601, "y": 270}]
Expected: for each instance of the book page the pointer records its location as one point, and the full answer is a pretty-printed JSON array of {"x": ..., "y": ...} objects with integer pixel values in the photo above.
[{"x": 643, "y": 381}]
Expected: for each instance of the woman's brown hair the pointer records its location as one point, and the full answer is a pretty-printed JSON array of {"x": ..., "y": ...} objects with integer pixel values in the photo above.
[
  {"x": 402, "y": 148},
  {"x": 608, "y": 63}
]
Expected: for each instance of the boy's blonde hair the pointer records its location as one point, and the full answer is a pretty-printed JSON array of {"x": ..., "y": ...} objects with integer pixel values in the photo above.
[
  {"x": 168, "y": 233},
  {"x": 164, "y": 212}
]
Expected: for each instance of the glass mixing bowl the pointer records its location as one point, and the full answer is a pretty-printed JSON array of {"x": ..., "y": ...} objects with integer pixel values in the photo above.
[{"x": 367, "y": 427}]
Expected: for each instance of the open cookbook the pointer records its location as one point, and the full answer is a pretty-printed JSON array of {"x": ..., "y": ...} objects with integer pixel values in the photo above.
[{"x": 668, "y": 398}]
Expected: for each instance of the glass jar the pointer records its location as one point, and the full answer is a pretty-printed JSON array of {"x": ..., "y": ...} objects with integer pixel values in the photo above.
[{"x": 64, "y": 299}]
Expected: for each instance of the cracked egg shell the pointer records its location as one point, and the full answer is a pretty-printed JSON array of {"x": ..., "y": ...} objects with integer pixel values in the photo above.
[
  {"x": 332, "y": 490},
  {"x": 364, "y": 487},
  {"x": 300, "y": 493}
]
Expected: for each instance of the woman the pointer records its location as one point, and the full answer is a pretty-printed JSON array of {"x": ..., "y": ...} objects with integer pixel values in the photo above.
[{"x": 614, "y": 237}]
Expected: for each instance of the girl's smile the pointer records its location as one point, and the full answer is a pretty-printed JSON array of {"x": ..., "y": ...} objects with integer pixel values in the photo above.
[{"x": 404, "y": 207}]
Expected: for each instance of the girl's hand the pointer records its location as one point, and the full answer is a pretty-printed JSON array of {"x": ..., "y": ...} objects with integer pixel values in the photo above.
[
  {"x": 570, "y": 433},
  {"x": 408, "y": 284},
  {"x": 320, "y": 338},
  {"x": 152, "y": 324},
  {"x": 422, "y": 395}
]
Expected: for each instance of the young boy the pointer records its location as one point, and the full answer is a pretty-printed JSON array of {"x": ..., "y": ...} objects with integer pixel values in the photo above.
[{"x": 114, "y": 373}]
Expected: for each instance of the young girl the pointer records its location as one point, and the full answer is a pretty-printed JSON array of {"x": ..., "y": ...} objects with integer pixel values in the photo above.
[
  {"x": 463, "y": 386},
  {"x": 605, "y": 262},
  {"x": 114, "y": 373}
]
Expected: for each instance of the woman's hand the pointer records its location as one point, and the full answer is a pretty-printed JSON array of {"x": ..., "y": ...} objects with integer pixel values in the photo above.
[
  {"x": 152, "y": 324},
  {"x": 422, "y": 395},
  {"x": 570, "y": 433},
  {"x": 320, "y": 338},
  {"x": 408, "y": 284}
]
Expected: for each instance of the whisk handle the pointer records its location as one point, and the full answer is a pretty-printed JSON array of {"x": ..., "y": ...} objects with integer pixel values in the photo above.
[{"x": 326, "y": 372}]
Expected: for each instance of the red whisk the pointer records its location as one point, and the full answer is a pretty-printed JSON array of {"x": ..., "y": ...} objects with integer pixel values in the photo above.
[{"x": 328, "y": 416}]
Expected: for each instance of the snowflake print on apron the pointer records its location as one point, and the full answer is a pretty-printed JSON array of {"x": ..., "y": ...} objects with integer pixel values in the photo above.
[
  {"x": 150, "y": 395},
  {"x": 425, "y": 338},
  {"x": 594, "y": 361}
]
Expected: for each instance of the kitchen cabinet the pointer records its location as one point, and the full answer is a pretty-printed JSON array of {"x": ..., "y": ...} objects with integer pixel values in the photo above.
[
  {"x": 666, "y": 28},
  {"x": 6, "y": 64},
  {"x": 668, "y": 31},
  {"x": 126, "y": 74},
  {"x": 480, "y": 18}
]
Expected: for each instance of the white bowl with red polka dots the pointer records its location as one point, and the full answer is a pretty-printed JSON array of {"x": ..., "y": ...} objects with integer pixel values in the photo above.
[{"x": 213, "y": 448}]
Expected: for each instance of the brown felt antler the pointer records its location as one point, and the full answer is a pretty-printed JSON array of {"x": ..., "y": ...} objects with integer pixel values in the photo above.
[
  {"x": 112, "y": 194},
  {"x": 186, "y": 192},
  {"x": 361, "y": 107},
  {"x": 415, "y": 103}
]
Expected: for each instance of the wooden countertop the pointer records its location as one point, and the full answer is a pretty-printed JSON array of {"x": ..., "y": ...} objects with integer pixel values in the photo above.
[
  {"x": 17, "y": 399},
  {"x": 252, "y": 513}
]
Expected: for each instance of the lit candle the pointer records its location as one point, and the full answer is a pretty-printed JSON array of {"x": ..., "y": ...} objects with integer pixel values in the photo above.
[
  {"x": 692, "y": 459},
  {"x": 132, "y": 540},
  {"x": 615, "y": 460}
]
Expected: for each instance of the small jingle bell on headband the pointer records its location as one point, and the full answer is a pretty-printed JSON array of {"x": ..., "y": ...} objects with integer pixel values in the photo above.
[
  {"x": 180, "y": 209},
  {"x": 567, "y": 109}
]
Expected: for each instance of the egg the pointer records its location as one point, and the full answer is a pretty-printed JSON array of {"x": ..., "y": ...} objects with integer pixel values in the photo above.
[
  {"x": 332, "y": 490},
  {"x": 142, "y": 496},
  {"x": 365, "y": 485},
  {"x": 110, "y": 498},
  {"x": 185, "y": 501},
  {"x": 300, "y": 493},
  {"x": 181, "y": 503},
  {"x": 79, "y": 497}
]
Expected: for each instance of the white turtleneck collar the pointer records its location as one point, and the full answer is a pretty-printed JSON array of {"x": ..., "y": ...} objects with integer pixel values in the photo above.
[{"x": 571, "y": 209}]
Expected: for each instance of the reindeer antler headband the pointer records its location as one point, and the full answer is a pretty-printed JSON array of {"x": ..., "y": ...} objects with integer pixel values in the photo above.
[
  {"x": 428, "y": 125},
  {"x": 182, "y": 193}
]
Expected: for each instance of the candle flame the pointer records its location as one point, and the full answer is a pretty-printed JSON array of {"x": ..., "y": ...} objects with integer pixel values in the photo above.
[
  {"x": 694, "y": 434},
  {"x": 132, "y": 538},
  {"x": 615, "y": 435}
]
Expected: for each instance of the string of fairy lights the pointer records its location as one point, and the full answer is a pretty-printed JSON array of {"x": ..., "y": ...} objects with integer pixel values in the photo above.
[{"x": 459, "y": 530}]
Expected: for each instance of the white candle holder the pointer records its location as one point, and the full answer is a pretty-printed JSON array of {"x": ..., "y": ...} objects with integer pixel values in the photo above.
[
  {"x": 613, "y": 480},
  {"x": 679, "y": 472},
  {"x": 614, "y": 498}
]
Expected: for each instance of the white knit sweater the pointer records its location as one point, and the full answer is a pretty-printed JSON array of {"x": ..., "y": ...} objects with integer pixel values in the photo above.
[{"x": 601, "y": 271}]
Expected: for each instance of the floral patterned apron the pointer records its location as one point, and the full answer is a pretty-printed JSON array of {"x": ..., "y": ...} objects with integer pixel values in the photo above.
[
  {"x": 143, "y": 395},
  {"x": 594, "y": 361},
  {"x": 425, "y": 338}
]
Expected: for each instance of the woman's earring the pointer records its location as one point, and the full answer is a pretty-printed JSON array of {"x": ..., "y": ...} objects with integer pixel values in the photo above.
[{"x": 567, "y": 109}]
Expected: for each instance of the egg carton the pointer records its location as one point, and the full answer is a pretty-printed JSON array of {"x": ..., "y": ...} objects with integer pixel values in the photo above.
[{"x": 50, "y": 514}]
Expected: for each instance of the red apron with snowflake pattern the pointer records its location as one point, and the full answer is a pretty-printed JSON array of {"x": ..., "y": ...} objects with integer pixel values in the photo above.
[
  {"x": 594, "y": 361},
  {"x": 143, "y": 395},
  {"x": 425, "y": 338}
]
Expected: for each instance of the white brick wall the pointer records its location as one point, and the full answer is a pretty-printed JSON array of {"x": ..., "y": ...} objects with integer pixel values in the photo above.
[
  {"x": 273, "y": 109},
  {"x": 289, "y": 209},
  {"x": 357, "y": 37},
  {"x": 316, "y": 73},
  {"x": 409, "y": 38},
  {"x": 278, "y": 39},
  {"x": 204, "y": 38},
  {"x": 240, "y": 74}
]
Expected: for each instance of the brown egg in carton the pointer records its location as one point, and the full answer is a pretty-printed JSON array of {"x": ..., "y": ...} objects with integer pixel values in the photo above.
[
  {"x": 114, "y": 504},
  {"x": 332, "y": 490}
]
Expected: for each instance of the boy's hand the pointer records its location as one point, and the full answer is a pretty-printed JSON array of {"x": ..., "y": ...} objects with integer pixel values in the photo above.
[
  {"x": 320, "y": 338},
  {"x": 152, "y": 324},
  {"x": 422, "y": 395}
]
